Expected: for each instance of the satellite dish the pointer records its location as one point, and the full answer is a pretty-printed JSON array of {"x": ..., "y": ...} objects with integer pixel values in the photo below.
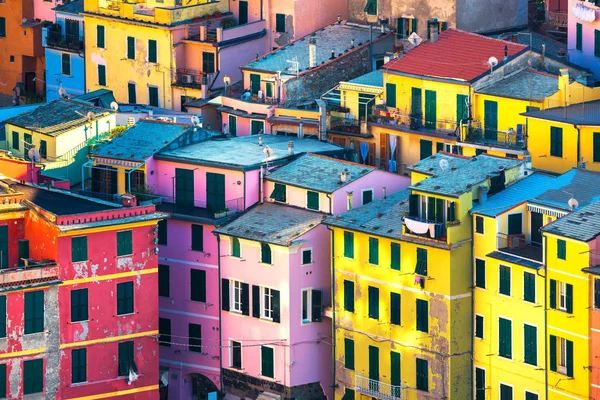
[
  {"x": 268, "y": 151},
  {"x": 415, "y": 39},
  {"x": 34, "y": 155},
  {"x": 114, "y": 106},
  {"x": 195, "y": 120},
  {"x": 90, "y": 115},
  {"x": 573, "y": 203},
  {"x": 62, "y": 92},
  {"x": 444, "y": 165},
  {"x": 492, "y": 61}
]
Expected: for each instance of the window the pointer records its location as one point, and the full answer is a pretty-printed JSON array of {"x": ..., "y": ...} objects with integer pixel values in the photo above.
[
  {"x": 479, "y": 384},
  {"x": 198, "y": 285},
  {"x": 236, "y": 296},
  {"x": 530, "y": 396},
  {"x": 373, "y": 251},
  {"x": 390, "y": 94},
  {"x": 102, "y": 75},
  {"x": 504, "y": 284},
  {"x": 233, "y": 125},
  {"x": 367, "y": 196},
  {"x": 153, "y": 96},
  {"x": 15, "y": 140},
  {"x": 268, "y": 90},
  {"x": 306, "y": 256},
  {"x": 79, "y": 249},
  {"x": 596, "y": 294},
  {"x": 266, "y": 310},
  {"x": 479, "y": 326},
  {"x": 79, "y": 365},
  {"x": 579, "y": 36},
  {"x": 280, "y": 23},
  {"x": 371, "y": 7},
  {"x": 395, "y": 368},
  {"x": 2, "y": 27},
  {"x": 479, "y": 224},
  {"x": 236, "y": 355},
  {"x": 306, "y": 305},
  {"x": 515, "y": 224},
  {"x": 374, "y": 363},
  {"x": 126, "y": 359},
  {"x": 279, "y": 192},
  {"x": 257, "y": 127},
  {"x": 506, "y": 392},
  {"x": 124, "y": 298},
  {"x": 422, "y": 375},
  {"x": 2, "y": 380},
  {"x": 208, "y": 62},
  {"x": 529, "y": 287},
  {"x": 349, "y": 353},
  {"x": 312, "y": 200},
  {"x": 504, "y": 338},
  {"x": 565, "y": 297},
  {"x": 267, "y": 361},
  {"x": 265, "y": 253},
  {"x": 34, "y": 311},
  {"x": 349, "y": 244},
  {"x": 373, "y": 302},
  {"x": 197, "y": 238},
  {"x": 394, "y": 308},
  {"x": 561, "y": 355},
  {"x": 530, "y": 344},
  {"x": 130, "y": 48},
  {"x": 480, "y": 273},
  {"x": 33, "y": 376},
  {"x": 596, "y": 156},
  {"x": 131, "y": 91},
  {"x": 561, "y": 249},
  {"x": 254, "y": 84},
  {"x": 100, "y": 36},
  {"x": 164, "y": 332},
  {"x": 66, "y": 64},
  {"x": 235, "y": 248},
  {"x": 349, "y": 296},
  {"x": 43, "y": 149},
  {"x": 79, "y": 305},
  {"x": 421, "y": 268},
  {"x": 395, "y": 256},
  {"x": 152, "y": 51},
  {"x": 3, "y": 316},
  {"x": 162, "y": 232},
  {"x": 556, "y": 146},
  {"x": 312, "y": 305},
  {"x": 164, "y": 280},
  {"x": 124, "y": 243},
  {"x": 406, "y": 26},
  {"x": 11, "y": 59},
  {"x": 596, "y": 43},
  {"x": 422, "y": 315}
]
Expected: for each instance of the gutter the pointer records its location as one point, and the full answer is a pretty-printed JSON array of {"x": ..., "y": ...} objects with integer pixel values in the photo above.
[
  {"x": 545, "y": 244},
  {"x": 333, "y": 341},
  {"x": 578, "y": 143},
  {"x": 220, "y": 308},
  {"x": 473, "y": 319}
]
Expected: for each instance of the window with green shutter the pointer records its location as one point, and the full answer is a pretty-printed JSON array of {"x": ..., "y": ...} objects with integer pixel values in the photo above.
[
  {"x": 395, "y": 377},
  {"x": 373, "y": 251},
  {"x": 529, "y": 287},
  {"x": 462, "y": 107},
  {"x": 504, "y": 338},
  {"x": 3, "y": 316},
  {"x": 208, "y": 62},
  {"x": 480, "y": 273},
  {"x": 2, "y": 380},
  {"x": 33, "y": 376},
  {"x": 312, "y": 200},
  {"x": 268, "y": 90},
  {"x": 479, "y": 384},
  {"x": 34, "y": 311},
  {"x": 124, "y": 298},
  {"x": 254, "y": 83},
  {"x": 390, "y": 94},
  {"x": 422, "y": 370},
  {"x": 597, "y": 294},
  {"x": 506, "y": 392},
  {"x": 153, "y": 96},
  {"x": 556, "y": 141},
  {"x": 164, "y": 332},
  {"x": 102, "y": 75},
  {"x": 421, "y": 267},
  {"x": 2, "y": 27},
  {"x": 578, "y": 36},
  {"x": 373, "y": 302},
  {"x": 79, "y": 249},
  {"x": 306, "y": 256},
  {"x": 126, "y": 358},
  {"x": 596, "y": 43},
  {"x": 561, "y": 249},
  {"x": 257, "y": 127},
  {"x": 479, "y": 326},
  {"x": 236, "y": 249},
  {"x": 371, "y": 7},
  {"x": 531, "y": 396},
  {"x": 374, "y": 364},
  {"x": 66, "y": 64},
  {"x": 422, "y": 315},
  {"x": 162, "y": 232},
  {"x": 479, "y": 224},
  {"x": 124, "y": 243},
  {"x": 530, "y": 344},
  {"x": 79, "y": 305},
  {"x": 349, "y": 394},
  {"x": 265, "y": 253},
  {"x": 195, "y": 338},
  {"x": 395, "y": 256},
  {"x": 232, "y": 125},
  {"x": 100, "y": 36},
  {"x": 552, "y": 287},
  {"x": 279, "y": 194},
  {"x": 515, "y": 224},
  {"x": 152, "y": 51},
  {"x": 395, "y": 308},
  {"x": 504, "y": 283},
  {"x": 131, "y": 93},
  {"x": 349, "y": 353},
  {"x": 78, "y": 365},
  {"x": 267, "y": 362},
  {"x": 348, "y": 244},
  {"x": 15, "y": 140},
  {"x": 130, "y": 48},
  {"x": 280, "y": 23},
  {"x": 439, "y": 146},
  {"x": 197, "y": 238},
  {"x": 349, "y": 296},
  {"x": 426, "y": 149},
  {"x": 596, "y": 155},
  {"x": 164, "y": 280},
  {"x": 198, "y": 285}
]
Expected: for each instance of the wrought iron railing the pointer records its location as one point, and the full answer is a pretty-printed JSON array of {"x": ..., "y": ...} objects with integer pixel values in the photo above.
[
  {"x": 376, "y": 389},
  {"x": 519, "y": 246}
]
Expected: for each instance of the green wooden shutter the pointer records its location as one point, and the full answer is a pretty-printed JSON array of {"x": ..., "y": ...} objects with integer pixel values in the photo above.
[
  {"x": 556, "y": 141},
  {"x": 349, "y": 296},
  {"x": 79, "y": 249},
  {"x": 529, "y": 287},
  {"x": 444, "y": 25},
  {"x": 153, "y": 96},
  {"x": 306, "y": 257},
  {"x": 256, "y": 301},
  {"x": 100, "y": 36},
  {"x": 23, "y": 251},
  {"x": 596, "y": 43},
  {"x": 130, "y": 48},
  {"x": 569, "y": 298},
  {"x": 254, "y": 83},
  {"x": 152, "y": 53},
  {"x": 373, "y": 251},
  {"x": 198, "y": 285},
  {"x": 421, "y": 267},
  {"x": 462, "y": 109},
  {"x": 131, "y": 93},
  {"x": 280, "y": 23},
  {"x": 371, "y": 7},
  {"x": 267, "y": 362},
  {"x": 395, "y": 256},
  {"x": 430, "y": 209},
  {"x": 317, "y": 306},
  {"x": 395, "y": 308},
  {"x": 504, "y": 287},
  {"x": 208, "y": 62},
  {"x": 78, "y": 365},
  {"x": 505, "y": 338},
  {"x": 373, "y": 302},
  {"x": 235, "y": 247},
  {"x": 552, "y": 293},
  {"x": 269, "y": 90},
  {"x": 422, "y": 315},
  {"x": 164, "y": 280},
  {"x": 390, "y": 94},
  {"x": 232, "y": 125},
  {"x": 256, "y": 127},
  {"x": 515, "y": 224},
  {"x": 569, "y": 358},
  {"x": 374, "y": 363},
  {"x": 2, "y": 380},
  {"x": 596, "y": 156},
  {"x": 348, "y": 353},
  {"x": 579, "y": 36},
  {"x": 195, "y": 338},
  {"x": 33, "y": 376},
  {"x": 422, "y": 369},
  {"x": 349, "y": 394},
  {"x": 430, "y": 109},
  {"x": 3, "y": 317},
  {"x": 197, "y": 238},
  {"x": 530, "y": 344},
  {"x": 490, "y": 120},
  {"x": 561, "y": 249},
  {"x": 265, "y": 253},
  {"x": 452, "y": 211},
  {"x": 124, "y": 298},
  {"x": 124, "y": 243},
  {"x": 479, "y": 225},
  {"x": 312, "y": 200},
  {"x": 395, "y": 377},
  {"x": 245, "y": 300},
  {"x": 414, "y": 25},
  {"x": 34, "y": 311},
  {"x": 102, "y": 75},
  {"x": 439, "y": 210},
  {"x": 367, "y": 196},
  {"x": 426, "y": 149},
  {"x": 162, "y": 232},
  {"x": 480, "y": 273},
  {"x": 413, "y": 205},
  {"x": 348, "y": 244},
  {"x": 276, "y": 305},
  {"x": 416, "y": 107},
  {"x": 553, "y": 353},
  {"x": 479, "y": 384},
  {"x": 225, "y": 294},
  {"x": 79, "y": 305}
]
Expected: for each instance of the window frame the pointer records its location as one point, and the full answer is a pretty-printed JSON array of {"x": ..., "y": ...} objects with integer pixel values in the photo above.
[
  {"x": 79, "y": 306},
  {"x": 307, "y": 250},
  {"x": 482, "y": 337},
  {"x": 232, "y": 349},
  {"x": 62, "y": 66},
  {"x": 125, "y": 299},
  {"x": 233, "y": 246},
  {"x": 510, "y": 291},
  {"x": 362, "y": 196},
  {"x": 155, "y": 51},
  {"x": 127, "y": 55},
  {"x": 129, "y": 233},
  {"x": 266, "y": 313},
  {"x": 233, "y": 289},
  {"x": 308, "y": 318}
]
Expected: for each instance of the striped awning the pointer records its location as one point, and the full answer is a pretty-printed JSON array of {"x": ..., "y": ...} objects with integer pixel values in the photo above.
[
  {"x": 546, "y": 210},
  {"x": 114, "y": 161}
]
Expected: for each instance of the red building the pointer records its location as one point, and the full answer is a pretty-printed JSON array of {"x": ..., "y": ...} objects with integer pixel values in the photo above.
[{"x": 78, "y": 296}]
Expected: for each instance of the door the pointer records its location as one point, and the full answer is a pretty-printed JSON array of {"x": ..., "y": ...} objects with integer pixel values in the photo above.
[
  {"x": 71, "y": 31},
  {"x": 3, "y": 247},
  {"x": 430, "y": 109},
  {"x": 243, "y": 13},
  {"x": 29, "y": 82},
  {"x": 365, "y": 105},
  {"x": 462, "y": 108},
  {"x": 254, "y": 83},
  {"x": 537, "y": 221},
  {"x": 416, "y": 107},
  {"x": 184, "y": 188},
  {"x": 215, "y": 192},
  {"x": 490, "y": 120},
  {"x": 257, "y": 127},
  {"x": 27, "y": 141},
  {"x": 374, "y": 367}
]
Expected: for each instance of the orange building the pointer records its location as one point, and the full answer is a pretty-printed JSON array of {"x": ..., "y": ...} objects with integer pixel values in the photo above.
[{"x": 21, "y": 51}]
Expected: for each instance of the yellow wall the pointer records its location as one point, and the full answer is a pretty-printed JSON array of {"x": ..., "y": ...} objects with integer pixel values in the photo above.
[
  {"x": 509, "y": 110},
  {"x": 349, "y": 99}
]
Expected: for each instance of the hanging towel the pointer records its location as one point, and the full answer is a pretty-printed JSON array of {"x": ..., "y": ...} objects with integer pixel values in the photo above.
[
  {"x": 364, "y": 151},
  {"x": 392, "y": 166},
  {"x": 417, "y": 227}
]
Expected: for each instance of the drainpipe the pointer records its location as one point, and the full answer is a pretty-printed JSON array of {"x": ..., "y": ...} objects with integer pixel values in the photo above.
[
  {"x": 330, "y": 205},
  {"x": 260, "y": 186},
  {"x": 473, "y": 316},
  {"x": 244, "y": 190},
  {"x": 578, "y": 143},
  {"x": 333, "y": 341},
  {"x": 220, "y": 308},
  {"x": 545, "y": 244}
]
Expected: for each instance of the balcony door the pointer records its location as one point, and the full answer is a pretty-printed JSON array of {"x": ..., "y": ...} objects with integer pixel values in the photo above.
[
  {"x": 490, "y": 120},
  {"x": 3, "y": 247},
  {"x": 243, "y": 19},
  {"x": 215, "y": 192},
  {"x": 537, "y": 221},
  {"x": 184, "y": 188}
]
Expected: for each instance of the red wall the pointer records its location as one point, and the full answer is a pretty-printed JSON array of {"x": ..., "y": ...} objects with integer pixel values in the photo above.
[
  {"x": 15, "y": 232},
  {"x": 594, "y": 343}
]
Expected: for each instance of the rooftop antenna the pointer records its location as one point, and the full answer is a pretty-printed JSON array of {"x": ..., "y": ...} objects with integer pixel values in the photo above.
[
  {"x": 415, "y": 39},
  {"x": 573, "y": 203},
  {"x": 492, "y": 61},
  {"x": 114, "y": 106},
  {"x": 295, "y": 66},
  {"x": 195, "y": 120}
]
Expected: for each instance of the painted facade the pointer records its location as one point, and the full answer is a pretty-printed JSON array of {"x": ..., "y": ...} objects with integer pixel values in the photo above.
[{"x": 583, "y": 22}]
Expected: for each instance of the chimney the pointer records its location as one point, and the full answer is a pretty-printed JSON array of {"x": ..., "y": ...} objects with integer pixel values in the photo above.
[
  {"x": 483, "y": 194},
  {"x": 343, "y": 176},
  {"x": 384, "y": 189},
  {"x": 433, "y": 31},
  {"x": 505, "y": 52},
  {"x": 352, "y": 44},
  {"x": 204, "y": 87},
  {"x": 290, "y": 148},
  {"x": 312, "y": 52},
  {"x": 332, "y": 54},
  {"x": 349, "y": 200},
  {"x": 563, "y": 84}
]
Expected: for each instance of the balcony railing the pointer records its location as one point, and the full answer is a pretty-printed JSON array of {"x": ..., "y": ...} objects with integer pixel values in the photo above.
[
  {"x": 517, "y": 245},
  {"x": 376, "y": 389},
  {"x": 67, "y": 42},
  {"x": 33, "y": 271},
  {"x": 413, "y": 122},
  {"x": 190, "y": 77},
  {"x": 201, "y": 209},
  {"x": 507, "y": 139},
  {"x": 114, "y": 5},
  {"x": 558, "y": 19},
  {"x": 345, "y": 125}
]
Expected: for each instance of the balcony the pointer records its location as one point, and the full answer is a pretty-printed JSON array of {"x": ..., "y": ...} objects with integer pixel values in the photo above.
[
  {"x": 517, "y": 245},
  {"x": 376, "y": 389},
  {"x": 67, "y": 42},
  {"x": 413, "y": 123},
  {"x": 511, "y": 139},
  {"x": 347, "y": 125},
  {"x": 32, "y": 272},
  {"x": 558, "y": 19},
  {"x": 190, "y": 78},
  {"x": 425, "y": 229},
  {"x": 201, "y": 209}
]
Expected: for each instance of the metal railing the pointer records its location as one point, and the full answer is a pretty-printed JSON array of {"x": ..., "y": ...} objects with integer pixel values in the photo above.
[
  {"x": 414, "y": 122},
  {"x": 558, "y": 19},
  {"x": 510, "y": 139},
  {"x": 377, "y": 389},
  {"x": 519, "y": 246},
  {"x": 64, "y": 41},
  {"x": 345, "y": 125},
  {"x": 202, "y": 208},
  {"x": 190, "y": 77}
]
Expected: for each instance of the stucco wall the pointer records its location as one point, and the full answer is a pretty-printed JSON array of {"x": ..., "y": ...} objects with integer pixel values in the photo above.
[
  {"x": 490, "y": 15},
  {"x": 74, "y": 83}
]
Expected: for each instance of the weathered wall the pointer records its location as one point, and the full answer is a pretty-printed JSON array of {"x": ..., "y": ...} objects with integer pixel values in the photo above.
[{"x": 490, "y": 15}]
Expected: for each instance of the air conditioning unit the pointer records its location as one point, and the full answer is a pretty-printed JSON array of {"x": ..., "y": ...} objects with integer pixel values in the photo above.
[
  {"x": 582, "y": 164},
  {"x": 187, "y": 79}
]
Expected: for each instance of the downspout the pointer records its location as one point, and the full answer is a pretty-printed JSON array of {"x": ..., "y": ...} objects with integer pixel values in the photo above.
[
  {"x": 330, "y": 205},
  {"x": 260, "y": 186},
  {"x": 220, "y": 308},
  {"x": 333, "y": 341},
  {"x": 473, "y": 315},
  {"x": 244, "y": 190},
  {"x": 545, "y": 244},
  {"x": 578, "y": 143}
]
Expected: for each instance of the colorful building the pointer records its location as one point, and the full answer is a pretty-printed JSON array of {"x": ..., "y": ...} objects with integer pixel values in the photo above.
[
  {"x": 76, "y": 319},
  {"x": 583, "y": 21}
]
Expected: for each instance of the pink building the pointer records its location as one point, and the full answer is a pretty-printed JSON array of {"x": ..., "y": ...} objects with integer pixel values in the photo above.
[
  {"x": 43, "y": 9},
  {"x": 275, "y": 277},
  {"x": 584, "y": 20}
]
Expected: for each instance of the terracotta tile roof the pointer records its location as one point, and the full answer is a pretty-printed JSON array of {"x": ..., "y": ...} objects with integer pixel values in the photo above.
[{"x": 456, "y": 55}]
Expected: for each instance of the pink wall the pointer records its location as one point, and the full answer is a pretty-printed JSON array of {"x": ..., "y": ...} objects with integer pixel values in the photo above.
[
  {"x": 584, "y": 57},
  {"x": 252, "y": 186},
  {"x": 230, "y": 58},
  {"x": 42, "y": 9}
]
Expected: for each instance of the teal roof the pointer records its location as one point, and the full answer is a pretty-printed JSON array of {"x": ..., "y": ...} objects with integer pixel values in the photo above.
[
  {"x": 374, "y": 78},
  {"x": 99, "y": 98}
]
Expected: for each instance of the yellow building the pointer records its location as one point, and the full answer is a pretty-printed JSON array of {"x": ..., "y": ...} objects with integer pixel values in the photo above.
[{"x": 402, "y": 310}]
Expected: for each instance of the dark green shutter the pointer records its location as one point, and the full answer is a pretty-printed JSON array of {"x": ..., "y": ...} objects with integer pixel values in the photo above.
[
  {"x": 395, "y": 379},
  {"x": 265, "y": 253},
  {"x": 233, "y": 125},
  {"x": 33, "y": 376},
  {"x": 529, "y": 287},
  {"x": 430, "y": 109},
  {"x": 162, "y": 232},
  {"x": 596, "y": 43},
  {"x": 208, "y": 63},
  {"x": 3, "y": 317},
  {"x": 506, "y": 392},
  {"x": 125, "y": 298},
  {"x": 256, "y": 127},
  {"x": 422, "y": 315},
  {"x": 23, "y": 251},
  {"x": 426, "y": 149},
  {"x": 479, "y": 384},
  {"x": 579, "y": 36},
  {"x": 395, "y": 308},
  {"x": 254, "y": 83},
  {"x": 552, "y": 293},
  {"x": 34, "y": 311},
  {"x": 374, "y": 363},
  {"x": 348, "y": 244},
  {"x": 413, "y": 205},
  {"x": 269, "y": 90},
  {"x": 422, "y": 374},
  {"x": 280, "y": 23},
  {"x": 479, "y": 326},
  {"x": 235, "y": 247},
  {"x": 198, "y": 285},
  {"x": 430, "y": 209},
  {"x": 504, "y": 287},
  {"x": 416, "y": 108},
  {"x": 348, "y": 353},
  {"x": 373, "y": 302},
  {"x": 130, "y": 48},
  {"x": 561, "y": 249},
  {"x": 505, "y": 338},
  {"x": 480, "y": 273},
  {"x": 596, "y": 156},
  {"x": 245, "y": 300},
  {"x": 479, "y": 224},
  {"x": 348, "y": 394},
  {"x": 395, "y": 256},
  {"x": 267, "y": 364},
  {"x": 225, "y": 294},
  {"x": 569, "y": 358},
  {"x": 197, "y": 238},
  {"x": 102, "y": 75},
  {"x": 349, "y": 296},
  {"x": 153, "y": 96},
  {"x": 556, "y": 141},
  {"x": 452, "y": 211},
  {"x": 164, "y": 280},
  {"x": 2, "y": 27},
  {"x": 79, "y": 305},
  {"x": 462, "y": 109},
  {"x": 490, "y": 120},
  {"x": 2, "y": 380},
  {"x": 124, "y": 243},
  {"x": 371, "y": 7},
  {"x": 306, "y": 257},
  {"x": 100, "y": 36},
  {"x": 367, "y": 197},
  {"x": 530, "y": 344},
  {"x": 444, "y": 25},
  {"x": 597, "y": 293},
  {"x": 317, "y": 306},
  {"x": 78, "y": 365},
  {"x": 373, "y": 251},
  {"x": 569, "y": 298},
  {"x": 152, "y": 53},
  {"x": 439, "y": 210},
  {"x": 276, "y": 305},
  {"x": 132, "y": 95},
  {"x": 553, "y": 353},
  {"x": 312, "y": 200},
  {"x": 195, "y": 338},
  {"x": 390, "y": 94},
  {"x": 421, "y": 267},
  {"x": 515, "y": 224},
  {"x": 439, "y": 146},
  {"x": 256, "y": 301},
  {"x": 79, "y": 249}
]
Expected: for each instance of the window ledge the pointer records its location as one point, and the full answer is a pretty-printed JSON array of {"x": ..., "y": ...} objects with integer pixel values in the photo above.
[
  {"x": 265, "y": 264},
  {"x": 126, "y": 315}
]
